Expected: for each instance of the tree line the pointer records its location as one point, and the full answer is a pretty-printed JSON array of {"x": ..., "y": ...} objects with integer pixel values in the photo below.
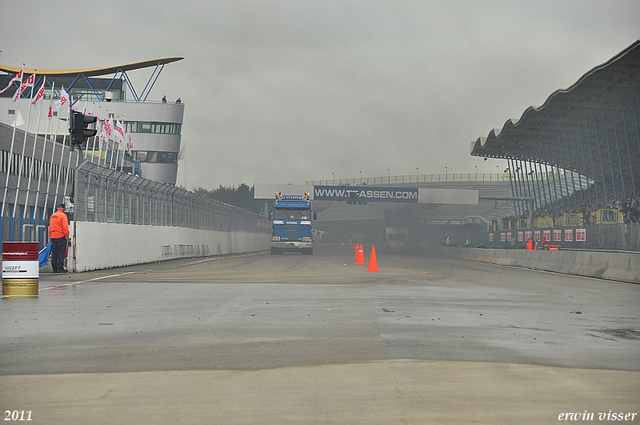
[{"x": 241, "y": 196}]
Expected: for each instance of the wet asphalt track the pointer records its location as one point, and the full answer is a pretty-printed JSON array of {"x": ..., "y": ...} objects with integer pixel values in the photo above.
[{"x": 277, "y": 314}]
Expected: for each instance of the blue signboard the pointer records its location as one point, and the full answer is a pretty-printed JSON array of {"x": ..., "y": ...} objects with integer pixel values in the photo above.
[{"x": 366, "y": 194}]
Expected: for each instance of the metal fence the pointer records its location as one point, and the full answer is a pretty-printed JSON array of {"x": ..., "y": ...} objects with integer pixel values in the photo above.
[{"x": 111, "y": 196}]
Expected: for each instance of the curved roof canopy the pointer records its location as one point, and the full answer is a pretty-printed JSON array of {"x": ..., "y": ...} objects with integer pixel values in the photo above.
[
  {"x": 92, "y": 72},
  {"x": 579, "y": 127},
  {"x": 85, "y": 74}
]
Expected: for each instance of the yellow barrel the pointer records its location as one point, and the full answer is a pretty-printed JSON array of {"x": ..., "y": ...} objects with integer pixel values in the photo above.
[
  {"x": 20, "y": 287},
  {"x": 20, "y": 269}
]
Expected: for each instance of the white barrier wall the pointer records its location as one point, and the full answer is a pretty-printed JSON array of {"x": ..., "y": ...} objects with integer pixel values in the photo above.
[
  {"x": 106, "y": 245},
  {"x": 623, "y": 266}
]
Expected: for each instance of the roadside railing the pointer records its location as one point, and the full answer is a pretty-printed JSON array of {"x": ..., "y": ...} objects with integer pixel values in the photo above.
[{"x": 111, "y": 196}]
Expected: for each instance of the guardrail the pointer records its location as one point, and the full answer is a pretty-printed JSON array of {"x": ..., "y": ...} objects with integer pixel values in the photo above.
[
  {"x": 609, "y": 216},
  {"x": 111, "y": 196}
]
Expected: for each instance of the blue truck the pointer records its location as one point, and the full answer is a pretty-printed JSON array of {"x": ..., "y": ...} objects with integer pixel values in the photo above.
[{"x": 291, "y": 226}]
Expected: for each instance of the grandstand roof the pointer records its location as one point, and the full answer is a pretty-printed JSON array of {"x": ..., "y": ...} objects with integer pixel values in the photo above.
[
  {"x": 92, "y": 72},
  {"x": 608, "y": 95}
]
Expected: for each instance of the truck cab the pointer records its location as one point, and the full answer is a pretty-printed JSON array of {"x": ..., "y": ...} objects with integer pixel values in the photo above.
[{"x": 291, "y": 224}]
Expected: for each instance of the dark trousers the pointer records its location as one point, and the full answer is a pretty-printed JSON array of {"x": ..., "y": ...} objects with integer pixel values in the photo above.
[{"x": 58, "y": 252}]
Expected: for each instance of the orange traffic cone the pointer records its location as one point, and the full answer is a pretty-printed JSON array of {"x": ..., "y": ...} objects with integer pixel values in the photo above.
[
  {"x": 360, "y": 261},
  {"x": 373, "y": 263}
]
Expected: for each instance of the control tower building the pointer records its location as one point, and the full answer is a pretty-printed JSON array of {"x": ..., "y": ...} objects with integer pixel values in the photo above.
[{"x": 154, "y": 125}]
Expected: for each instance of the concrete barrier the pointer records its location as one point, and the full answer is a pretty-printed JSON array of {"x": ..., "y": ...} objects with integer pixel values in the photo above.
[
  {"x": 107, "y": 245},
  {"x": 621, "y": 266}
]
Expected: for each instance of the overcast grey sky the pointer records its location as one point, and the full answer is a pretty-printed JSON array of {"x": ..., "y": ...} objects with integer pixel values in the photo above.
[{"x": 285, "y": 91}]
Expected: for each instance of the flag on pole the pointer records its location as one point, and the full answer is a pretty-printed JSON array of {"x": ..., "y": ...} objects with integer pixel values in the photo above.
[
  {"x": 18, "y": 77},
  {"x": 50, "y": 115},
  {"x": 108, "y": 127},
  {"x": 129, "y": 144},
  {"x": 29, "y": 82},
  {"x": 64, "y": 99},
  {"x": 100, "y": 126},
  {"x": 40, "y": 94},
  {"x": 119, "y": 131}
]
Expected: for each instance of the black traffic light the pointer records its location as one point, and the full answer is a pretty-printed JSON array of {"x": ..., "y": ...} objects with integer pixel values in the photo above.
[{"x": 79, "y": 130}]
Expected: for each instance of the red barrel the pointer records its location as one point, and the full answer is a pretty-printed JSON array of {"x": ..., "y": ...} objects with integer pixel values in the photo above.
[{"x": 20, "y": 269}]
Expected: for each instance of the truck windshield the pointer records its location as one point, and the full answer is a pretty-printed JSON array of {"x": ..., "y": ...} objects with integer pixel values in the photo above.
[{"x": 291, "y": 213}]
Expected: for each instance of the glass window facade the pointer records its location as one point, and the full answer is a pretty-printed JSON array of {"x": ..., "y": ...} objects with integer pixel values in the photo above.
[
  {"x": 152, "y": 127},
  {"x": 156, "y": 157}
]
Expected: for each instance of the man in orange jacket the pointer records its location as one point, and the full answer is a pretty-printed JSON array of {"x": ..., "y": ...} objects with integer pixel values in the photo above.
[
  {"x": 531, "y": 245},
  {"x": 58, "y": 233}
]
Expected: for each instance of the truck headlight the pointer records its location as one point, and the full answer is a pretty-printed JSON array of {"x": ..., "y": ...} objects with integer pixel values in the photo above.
[
  {"x": 275, "y": 238},
  {"x": 306, "y": 239}
]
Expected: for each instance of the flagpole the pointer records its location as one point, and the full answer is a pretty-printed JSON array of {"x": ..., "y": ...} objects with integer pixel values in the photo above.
[
  {"x": 99, "y": 133},
  {"x": 93, "y": 147},
  {"x": 122, "y": 144},
  {"x": 64, "y": 143},
  {"x": 66, "y": 180},
  {"x": 33, "y": 153},
  {"x": 53, "y": 151},
  {"x": 117, "y": 142},
  {"x": 24, "y": 147},
  {"x": 106, "y": 138},
  {"x": 44, "y": 149},
  {"x": 64, "y": 139},
  {"x": 13, "y": 138}
]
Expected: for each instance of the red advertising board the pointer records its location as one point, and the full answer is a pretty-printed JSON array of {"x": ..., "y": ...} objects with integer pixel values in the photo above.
[{"x": 20, "y": 251}]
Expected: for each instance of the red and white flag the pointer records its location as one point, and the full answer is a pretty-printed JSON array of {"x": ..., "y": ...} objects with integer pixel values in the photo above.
[
  {"x": 108, "y": 127},
  {"x": 29, "y": 82},
  {"x": 18, "y": 77},
  {"x": 99, "y": 127},
  {"x": 119, "y": 131},
  {"x": 50, "y": 115},
  {"x": 39, "y": 95},
  {"x": 129, "y": 143},
  {"x": 64, "y": 100}
]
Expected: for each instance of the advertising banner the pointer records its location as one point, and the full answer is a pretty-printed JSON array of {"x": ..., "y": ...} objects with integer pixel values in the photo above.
[
  {"x": 366, "y": 194},
  {"x": 568, "y": 235}
]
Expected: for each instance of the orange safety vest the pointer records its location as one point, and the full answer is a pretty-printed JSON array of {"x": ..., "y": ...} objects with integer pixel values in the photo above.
[{"x": 58, "y": 225}]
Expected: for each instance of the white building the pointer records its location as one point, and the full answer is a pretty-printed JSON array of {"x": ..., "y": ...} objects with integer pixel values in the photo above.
[
  {"x": 155, "y": 126},
  {"x": 37, "y": 173}
]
